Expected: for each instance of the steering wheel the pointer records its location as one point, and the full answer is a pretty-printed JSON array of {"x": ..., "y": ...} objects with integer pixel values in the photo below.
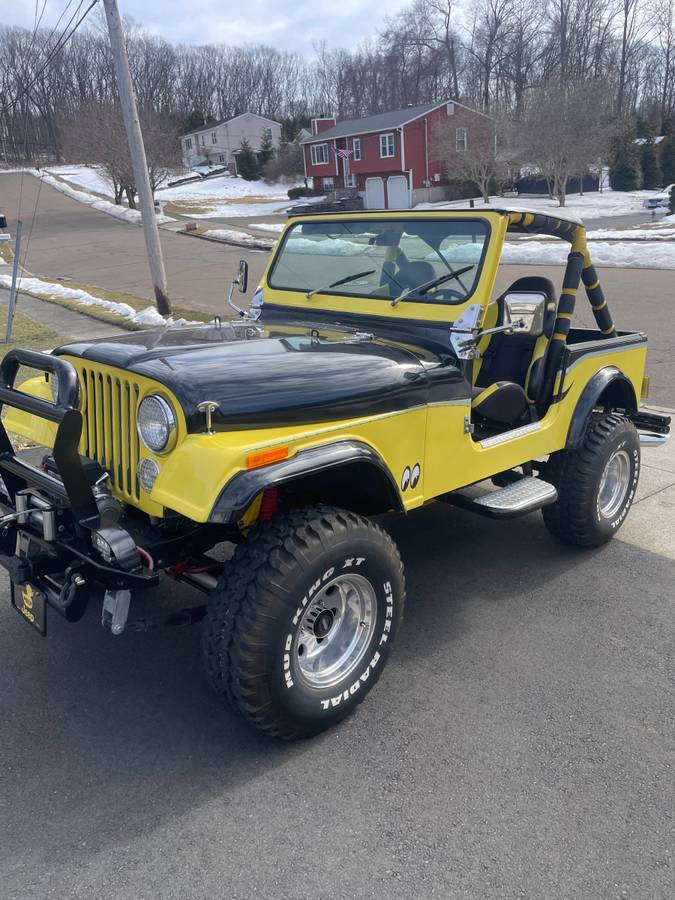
[{"x": 446, "y": 293}]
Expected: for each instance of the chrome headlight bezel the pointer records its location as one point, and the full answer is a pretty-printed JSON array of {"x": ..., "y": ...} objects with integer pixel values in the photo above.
[{"x": 170, "y": 422}]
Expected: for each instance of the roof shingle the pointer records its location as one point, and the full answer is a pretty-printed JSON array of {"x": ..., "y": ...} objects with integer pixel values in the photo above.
[{"x": 378, "y": 122}]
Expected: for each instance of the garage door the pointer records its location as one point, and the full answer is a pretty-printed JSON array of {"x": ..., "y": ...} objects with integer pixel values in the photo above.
[
  {"x": 374, "y": 193},
  {"x": 397, "y": 189}
]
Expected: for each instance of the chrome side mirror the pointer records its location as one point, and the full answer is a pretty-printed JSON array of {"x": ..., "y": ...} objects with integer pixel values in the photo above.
[
  {"x": 242, "y": 277},
  {"x": 525, "y": 309}
]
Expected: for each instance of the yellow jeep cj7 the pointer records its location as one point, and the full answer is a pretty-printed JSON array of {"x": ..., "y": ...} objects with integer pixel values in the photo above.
[{"x": 374, "y": 371}]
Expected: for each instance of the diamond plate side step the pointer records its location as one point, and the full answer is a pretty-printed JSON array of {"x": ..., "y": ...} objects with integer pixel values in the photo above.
[{"x": 516, "y": 499}]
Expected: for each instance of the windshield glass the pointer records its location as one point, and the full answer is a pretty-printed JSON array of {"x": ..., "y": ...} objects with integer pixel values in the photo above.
[{"x": 383, "y": 258}]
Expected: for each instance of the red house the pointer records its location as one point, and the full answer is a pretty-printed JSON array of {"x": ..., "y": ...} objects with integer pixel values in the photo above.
[{"x": 389, "y": 157}]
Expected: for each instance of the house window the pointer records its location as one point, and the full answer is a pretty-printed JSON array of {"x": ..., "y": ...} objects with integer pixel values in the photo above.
[
  {"x": 461, "y": 139},
  {"x": 188, "y": 143},
  {"x": 319, "y": 154},
  {"x": 214, "y": 137},
  {"x": 350, "y": 180},
  {"x": 203, "y": 140},
  {"x": 267, "y": 133},
  {"x": 328, "y": 184},
  {"x": 356, "y": 147},
  {"x": 221, "y": 157},
  {"x": 387, "y": 145}
]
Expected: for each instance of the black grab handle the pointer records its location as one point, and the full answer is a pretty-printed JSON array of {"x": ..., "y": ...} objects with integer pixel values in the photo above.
[{"x": 67, "y": 383}]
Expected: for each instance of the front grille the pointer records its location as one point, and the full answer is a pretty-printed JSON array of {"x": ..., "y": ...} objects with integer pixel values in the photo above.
[{"x": 109, "y": 435}]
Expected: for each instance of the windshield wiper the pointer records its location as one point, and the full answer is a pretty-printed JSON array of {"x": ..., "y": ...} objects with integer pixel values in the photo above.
[
  {"x": 337, "y": 283},
  {"x": 428, "y": 285}
]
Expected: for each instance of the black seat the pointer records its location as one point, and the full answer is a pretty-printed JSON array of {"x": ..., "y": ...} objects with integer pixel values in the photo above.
[
  {"x": 510, "y": 377},
  {"x": 416, "y": 272}
]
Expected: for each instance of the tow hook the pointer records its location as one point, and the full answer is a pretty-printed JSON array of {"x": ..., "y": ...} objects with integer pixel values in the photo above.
[{"x": 115, "y": 610}]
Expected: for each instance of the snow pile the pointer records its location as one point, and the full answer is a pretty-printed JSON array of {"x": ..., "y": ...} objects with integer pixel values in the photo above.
[
  {"x": 324, "y": 247},
  {"x": 90, "y": 178},
  {"x": 587, "y": 206},
  {"x": 274, "y": 227},
  {"x": 239, "y": 237},
  {"x": 225, "y": 187},
  {"x": 632, "y": 234},
  {"x": 622, "y": 254},
  {"x": 148, "y": 316},
  {"x": 106, "y": 206}
]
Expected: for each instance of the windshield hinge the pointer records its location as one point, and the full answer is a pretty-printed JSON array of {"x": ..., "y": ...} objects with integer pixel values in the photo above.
[{"x": 469, "y": 427}]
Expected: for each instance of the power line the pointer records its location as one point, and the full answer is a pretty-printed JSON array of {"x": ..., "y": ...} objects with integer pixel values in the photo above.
[{"x": 62, "y": 41}]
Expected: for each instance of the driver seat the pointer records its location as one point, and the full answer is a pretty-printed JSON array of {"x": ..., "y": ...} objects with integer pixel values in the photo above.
[{"x": 508, "y": 386}]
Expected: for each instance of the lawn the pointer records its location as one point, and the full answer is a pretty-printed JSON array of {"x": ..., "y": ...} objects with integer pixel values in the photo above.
[{"x": 28, "y": 333}]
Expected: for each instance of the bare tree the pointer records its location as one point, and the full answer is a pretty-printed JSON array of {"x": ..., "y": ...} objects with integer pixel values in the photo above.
[
  {"x": 475, "y": 161},
  {"x": 566, "y": 130}
]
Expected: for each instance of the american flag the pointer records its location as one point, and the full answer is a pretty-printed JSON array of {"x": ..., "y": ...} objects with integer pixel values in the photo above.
[{"x": 343, "y": 153}]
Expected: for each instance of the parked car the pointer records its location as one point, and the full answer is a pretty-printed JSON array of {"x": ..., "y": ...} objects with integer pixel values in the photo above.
[{"x": 660, "y": 200}]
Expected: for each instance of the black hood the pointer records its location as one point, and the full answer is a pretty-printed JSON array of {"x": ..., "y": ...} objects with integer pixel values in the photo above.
[{"x": 274, "y": 375}]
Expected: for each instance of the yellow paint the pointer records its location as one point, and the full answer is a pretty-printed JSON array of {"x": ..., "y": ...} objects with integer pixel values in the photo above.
[{"x": 193, "y": 474}]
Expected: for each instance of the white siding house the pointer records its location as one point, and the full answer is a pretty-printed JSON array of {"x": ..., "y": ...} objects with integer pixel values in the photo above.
[{"x": 218, "y": 144}]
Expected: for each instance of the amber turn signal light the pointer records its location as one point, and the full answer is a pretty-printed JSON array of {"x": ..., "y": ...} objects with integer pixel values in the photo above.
[{"x": 264, "y": 457}]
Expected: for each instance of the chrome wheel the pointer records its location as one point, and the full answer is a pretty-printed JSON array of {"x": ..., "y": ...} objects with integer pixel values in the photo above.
[
  {"x": 614, "y": 484},
  {"x": 336, "y": 630}
]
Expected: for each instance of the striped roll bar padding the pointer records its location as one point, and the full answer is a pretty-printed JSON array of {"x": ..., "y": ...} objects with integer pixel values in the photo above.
[
  {"x": 539, "y": 223},
  {"x": 579, "y": 266}
]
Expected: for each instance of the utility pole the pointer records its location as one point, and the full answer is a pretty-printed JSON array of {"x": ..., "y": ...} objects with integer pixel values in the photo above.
[
  {"x": 12, "y": 291},
  {"x": 137, "y": 151}
]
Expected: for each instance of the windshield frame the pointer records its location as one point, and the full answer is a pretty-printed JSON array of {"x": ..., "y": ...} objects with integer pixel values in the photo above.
[{"x": 426, "y": 299}]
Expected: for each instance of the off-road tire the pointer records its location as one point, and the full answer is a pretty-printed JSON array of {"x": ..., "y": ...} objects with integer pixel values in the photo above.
[
  {"x": 576, "y": 517},
  {"x": 254, "y": 616}
]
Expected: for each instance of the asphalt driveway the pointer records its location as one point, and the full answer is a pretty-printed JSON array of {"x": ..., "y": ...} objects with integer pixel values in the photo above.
[{"x": 520, "y": 743}]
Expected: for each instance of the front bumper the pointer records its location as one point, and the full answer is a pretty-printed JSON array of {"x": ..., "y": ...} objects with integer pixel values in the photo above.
[{"x": 49, "y": 516}]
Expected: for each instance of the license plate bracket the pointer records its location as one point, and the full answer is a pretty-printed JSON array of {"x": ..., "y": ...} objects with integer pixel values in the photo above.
[{"x": 31, "y": 605}]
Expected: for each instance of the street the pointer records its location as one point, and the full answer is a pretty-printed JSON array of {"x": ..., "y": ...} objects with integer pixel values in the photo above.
[{"x": 519, "y": 744}]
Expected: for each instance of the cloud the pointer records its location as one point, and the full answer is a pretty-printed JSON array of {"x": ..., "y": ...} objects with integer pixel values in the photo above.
[{"x": 287, "y": 25}]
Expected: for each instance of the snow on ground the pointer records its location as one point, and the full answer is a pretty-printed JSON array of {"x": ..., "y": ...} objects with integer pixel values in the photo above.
[
  {"x": 587, "y": 206},
  {"x": 631, "y": 234},
  {"x": 622, "y": 254},
  {"x": 239, "y": 237},
  {"x": 230, "y": 209},
  {"x": 148, "y": 316},
  {"x": 226, "y": 187},
  {"x": 222, "y": 196},
  {"x": 275, "y": 227},
  {"x": 90, "y": 178},
  {"x": 106, "y": 206}
]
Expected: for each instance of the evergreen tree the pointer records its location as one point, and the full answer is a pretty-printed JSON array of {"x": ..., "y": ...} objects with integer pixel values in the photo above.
[
  {"x": 668, "y": 157},
  {"x": 266, "y": 152},
  {"x": 651, "y": 167},
  {"x": 247, "y": 164},
  {"x": 624, "y": 166}
]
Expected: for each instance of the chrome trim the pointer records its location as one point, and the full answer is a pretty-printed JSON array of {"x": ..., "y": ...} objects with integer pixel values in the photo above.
[
  {"x": 336, "y": 630},
  {"x": 170, "y": 414},
  {"x": 527, "y": 493},
  {"x": 656, "y": 440},
  {"x": 506, "y": 436}
]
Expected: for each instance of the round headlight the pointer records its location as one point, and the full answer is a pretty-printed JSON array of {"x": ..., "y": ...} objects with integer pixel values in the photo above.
[{"x": 157, "y": 424}]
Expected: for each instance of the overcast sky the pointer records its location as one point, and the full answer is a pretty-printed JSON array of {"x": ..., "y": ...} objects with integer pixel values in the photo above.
[{"x": 286, "y": 24}]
